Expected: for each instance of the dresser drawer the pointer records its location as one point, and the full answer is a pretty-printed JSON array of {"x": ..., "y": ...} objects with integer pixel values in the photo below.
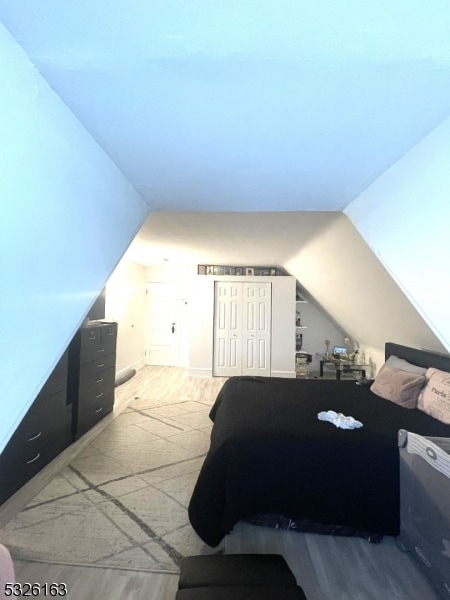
[
  {"x": 100, "y": 364},
  {"x": 93, "y": 397},
  {"x": 94, "y": 414},
  {"x": 96, "y": 381},
  {"x": 45, "y": 414},
  {"x": 97, "y": 342},
  {"x": 20, "y": 462}
]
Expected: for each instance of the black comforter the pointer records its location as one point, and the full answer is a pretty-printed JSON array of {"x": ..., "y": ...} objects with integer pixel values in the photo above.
[{"x": 269, "y": 453}]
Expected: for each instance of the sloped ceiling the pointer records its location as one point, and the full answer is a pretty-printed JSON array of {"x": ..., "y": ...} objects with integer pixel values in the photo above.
[
  {"x": 254, "y": 107},
  {"x": 245, "y": 105}
]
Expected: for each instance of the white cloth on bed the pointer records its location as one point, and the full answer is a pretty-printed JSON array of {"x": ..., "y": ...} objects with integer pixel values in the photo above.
[{"x": 339, "y": 420}]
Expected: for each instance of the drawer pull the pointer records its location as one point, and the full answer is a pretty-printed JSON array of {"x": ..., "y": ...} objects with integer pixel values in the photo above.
[
  {"x": 35, "y": 437},
  {"x": 92, "y": 335},
  {"x": 99, "y": 410},
  {"x": 98, "y": 380},
  {"x": 33, "y": 459},
  {"x": 99, "y": 395},
  {"x": 101, "y": 350},
  {"x": 100, "y": 365}
]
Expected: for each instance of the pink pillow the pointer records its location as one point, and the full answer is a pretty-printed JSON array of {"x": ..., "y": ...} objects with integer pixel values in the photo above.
[
  {"x": 435, "y": 397},
  {"x": 398, "y": 386}
]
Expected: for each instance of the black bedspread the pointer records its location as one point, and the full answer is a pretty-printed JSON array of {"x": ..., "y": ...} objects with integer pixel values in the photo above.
[{"x": 269, "y": 453}]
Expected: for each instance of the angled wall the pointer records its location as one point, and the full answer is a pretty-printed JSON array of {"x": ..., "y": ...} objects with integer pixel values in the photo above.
[
  {"x": 404, "y": 217},
  {"x": 345, "y": 277},
  {"x": 67, "y": 215}
]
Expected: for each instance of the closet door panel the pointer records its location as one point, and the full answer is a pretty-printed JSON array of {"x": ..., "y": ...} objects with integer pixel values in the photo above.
[
  {"x": 257, "y": 299},
  {"x": 227, "y": 329}
]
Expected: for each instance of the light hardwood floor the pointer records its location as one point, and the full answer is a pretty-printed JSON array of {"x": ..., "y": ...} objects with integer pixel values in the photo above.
[
  {"x": 326, "y": 567},
  {"x": 91, "y": 583}
]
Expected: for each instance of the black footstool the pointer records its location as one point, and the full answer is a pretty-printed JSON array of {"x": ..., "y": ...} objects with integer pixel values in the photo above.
[
  {"x": 243, "y": 592},
  {"x": 237, "y": 577},
  {"x": 234, "y": 569}
]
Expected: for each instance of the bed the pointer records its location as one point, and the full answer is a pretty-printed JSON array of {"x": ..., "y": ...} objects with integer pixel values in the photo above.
[{"x": 270, "y": 456}]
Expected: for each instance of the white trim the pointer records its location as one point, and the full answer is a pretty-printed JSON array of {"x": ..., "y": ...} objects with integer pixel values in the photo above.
[{"x": 286, "y": 374}]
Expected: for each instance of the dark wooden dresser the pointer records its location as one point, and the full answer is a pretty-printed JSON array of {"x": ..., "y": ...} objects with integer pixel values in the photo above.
[
  {"x": 43, "y": 433},
  {"x": 92, "y": 371}
]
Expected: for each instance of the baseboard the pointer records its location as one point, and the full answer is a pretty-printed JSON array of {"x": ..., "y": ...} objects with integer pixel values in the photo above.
[
  {"x": 286, "y": 374},
  {"x": 138, "y": 364},
  {"x": 200, "y": 372}
]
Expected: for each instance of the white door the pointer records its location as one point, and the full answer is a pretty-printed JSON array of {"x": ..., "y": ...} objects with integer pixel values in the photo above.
[
  {"x": 161, "y": 324},
  {"x": 242, "y": 328},
  {"x": 227, "y": 328},
  {"x": 256, "y": 329}
]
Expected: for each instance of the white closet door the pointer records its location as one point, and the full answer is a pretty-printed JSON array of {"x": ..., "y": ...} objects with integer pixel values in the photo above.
[
  {"x": 242, "y": 328},
  {"x": 227, "y": 328},
  {"x": 256, "y": 329}
]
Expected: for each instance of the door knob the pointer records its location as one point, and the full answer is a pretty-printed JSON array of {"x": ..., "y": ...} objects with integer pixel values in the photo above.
[{"x": 173, "y": 327}]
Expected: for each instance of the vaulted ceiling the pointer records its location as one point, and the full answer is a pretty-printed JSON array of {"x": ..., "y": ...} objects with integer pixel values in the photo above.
[{"x": 245, "y": 105}]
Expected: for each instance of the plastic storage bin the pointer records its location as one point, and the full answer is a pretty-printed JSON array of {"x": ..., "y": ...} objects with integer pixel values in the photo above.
[{"x": 425, "y": 505}]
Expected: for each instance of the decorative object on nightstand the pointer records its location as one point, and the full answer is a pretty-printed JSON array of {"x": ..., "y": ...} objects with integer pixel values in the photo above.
[
  {"x": 327, "y": 353},
  {"x": 346, "y": 343},
  {"x": 301, "y": 366}
]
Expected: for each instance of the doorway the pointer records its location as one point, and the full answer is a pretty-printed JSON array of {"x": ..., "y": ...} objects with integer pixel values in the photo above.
[{"x": 161, "y": 324}]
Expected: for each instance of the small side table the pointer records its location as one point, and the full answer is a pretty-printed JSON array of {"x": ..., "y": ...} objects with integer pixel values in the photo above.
[{"x": 343, "y": 366}]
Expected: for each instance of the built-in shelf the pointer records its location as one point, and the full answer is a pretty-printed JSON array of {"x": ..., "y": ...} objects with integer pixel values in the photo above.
[{"x": 300, "y": 367}]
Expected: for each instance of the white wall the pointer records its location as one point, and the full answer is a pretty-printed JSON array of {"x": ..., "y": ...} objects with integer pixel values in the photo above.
[
  {"x": 125, "y": 304},
  {"x": 201, "y": 316},
  {"x": 67, "y": 217},
  {"x": 338, "y": 268},
  {"x": 404, "y": 216}
]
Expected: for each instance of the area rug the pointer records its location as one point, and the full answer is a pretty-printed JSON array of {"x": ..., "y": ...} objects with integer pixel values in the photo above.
[{"x": 123, "y": 501}]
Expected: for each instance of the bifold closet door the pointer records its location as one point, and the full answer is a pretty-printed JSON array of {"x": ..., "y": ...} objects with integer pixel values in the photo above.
[
  {"x": 227, "y": 329},
  {"x": 256, "y": 329},
  {"x": 242, "y": 328}
]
